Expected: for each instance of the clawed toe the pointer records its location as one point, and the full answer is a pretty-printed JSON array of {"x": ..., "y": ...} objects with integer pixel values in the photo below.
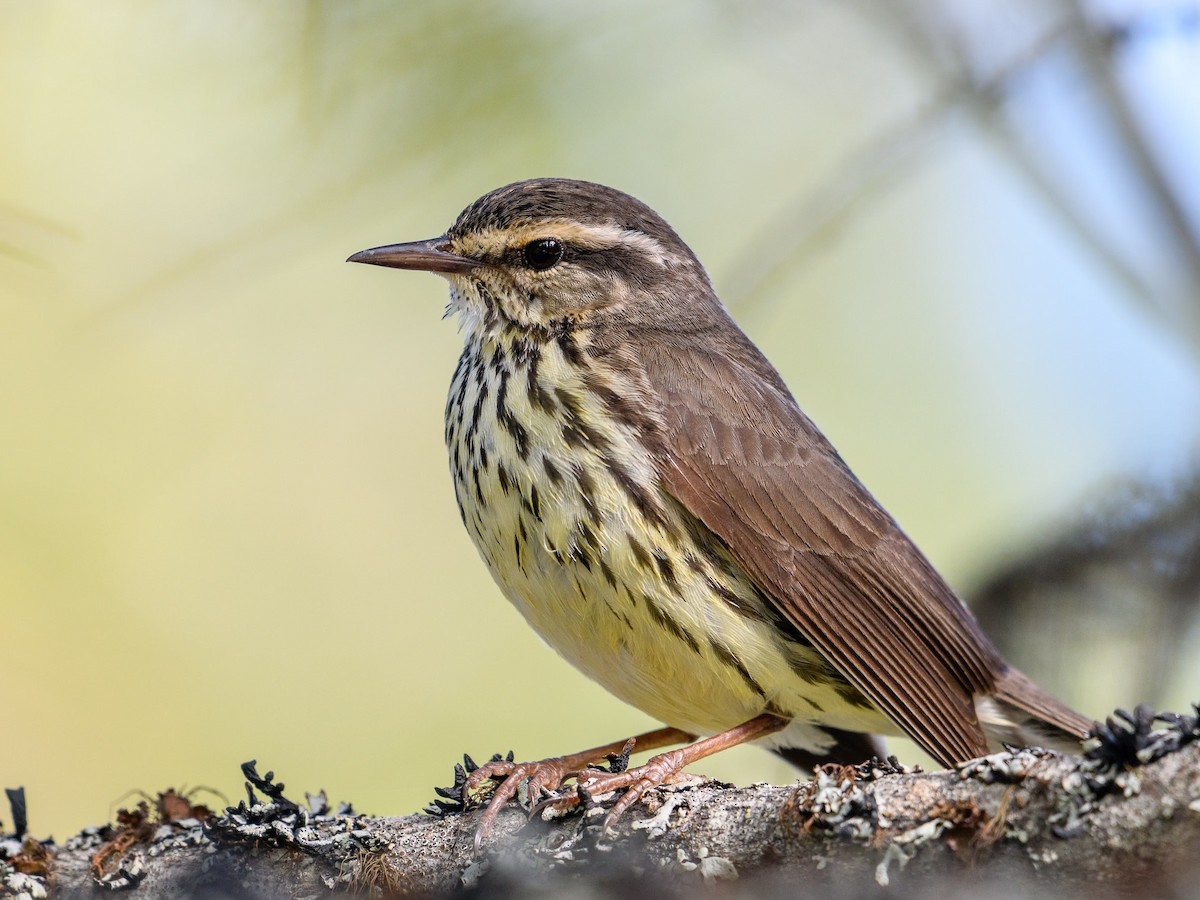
[
  {"x": 537, "y": 778},
  {"x": 636, "y": 782},
  {"x": 542, "y": 781},
  {"x": 545, "y": 792},
  {"x": 592, "y": 783}
]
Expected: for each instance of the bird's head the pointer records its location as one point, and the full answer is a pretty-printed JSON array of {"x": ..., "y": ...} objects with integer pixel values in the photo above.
[{"x": 538, "y": 253}]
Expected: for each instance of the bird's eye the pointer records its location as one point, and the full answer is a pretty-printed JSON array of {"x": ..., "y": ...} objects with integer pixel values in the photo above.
[{"x": 543, "y": 253}]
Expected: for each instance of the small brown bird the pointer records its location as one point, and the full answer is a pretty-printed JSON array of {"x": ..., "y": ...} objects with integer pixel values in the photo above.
[{"x": 646, "y": 491}]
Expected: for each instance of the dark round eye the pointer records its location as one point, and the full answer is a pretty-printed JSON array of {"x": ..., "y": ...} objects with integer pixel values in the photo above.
[{"x": 543, "y": 253}]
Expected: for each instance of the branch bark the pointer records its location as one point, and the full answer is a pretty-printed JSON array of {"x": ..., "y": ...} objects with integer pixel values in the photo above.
[{"x": 1067, "y": 819}]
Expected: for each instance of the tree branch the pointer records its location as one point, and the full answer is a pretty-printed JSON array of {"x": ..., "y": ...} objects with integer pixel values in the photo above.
[{"x": 1104, "y": 816}]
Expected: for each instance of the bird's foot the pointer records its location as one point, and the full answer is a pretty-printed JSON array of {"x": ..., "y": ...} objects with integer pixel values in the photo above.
[
  {"x": 543, "y": 780},
  {"x": 529, "y": 782},
  {"x": 590, "y": 783},
  {"x": 535, "y": 784},
  {"x": 659, "y": 770}
]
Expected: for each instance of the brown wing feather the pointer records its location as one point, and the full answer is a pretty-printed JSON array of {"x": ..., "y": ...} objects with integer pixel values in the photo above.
[{"x": 741, "y": 456}]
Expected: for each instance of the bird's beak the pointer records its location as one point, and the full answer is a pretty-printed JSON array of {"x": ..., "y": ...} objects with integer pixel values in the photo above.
[{"x": 425, "y": 256}]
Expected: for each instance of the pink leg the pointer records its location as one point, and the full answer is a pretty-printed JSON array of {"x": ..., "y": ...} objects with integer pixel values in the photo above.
[
  {"x": 659, "y": 768},
  {"x": 547, "y": 775}
]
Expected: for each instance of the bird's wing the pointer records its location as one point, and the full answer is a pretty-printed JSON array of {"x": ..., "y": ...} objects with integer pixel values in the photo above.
[{"x": 742, "y": 457}]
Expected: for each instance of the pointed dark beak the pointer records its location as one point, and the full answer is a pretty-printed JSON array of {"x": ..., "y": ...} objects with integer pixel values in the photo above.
[{"x": 425, "y": 256}]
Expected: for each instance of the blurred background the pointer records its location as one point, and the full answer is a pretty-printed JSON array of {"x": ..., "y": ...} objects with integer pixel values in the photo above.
[{"x": 968, "y": 235}]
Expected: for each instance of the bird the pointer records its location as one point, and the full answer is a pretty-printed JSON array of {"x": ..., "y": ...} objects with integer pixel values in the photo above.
[{"x": 646, "y": 491}]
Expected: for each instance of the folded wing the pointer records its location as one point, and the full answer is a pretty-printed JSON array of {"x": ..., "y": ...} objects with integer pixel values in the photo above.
[{"x": 741, "y": 456}]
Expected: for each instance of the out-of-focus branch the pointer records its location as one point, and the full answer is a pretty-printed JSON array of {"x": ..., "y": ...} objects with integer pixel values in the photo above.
[
  {"x": 1098, "y": 53},
  {"x": 961, "y": 91},
  {"x": 1122, "y": 580},
  {"x": 816, "y": 217}
]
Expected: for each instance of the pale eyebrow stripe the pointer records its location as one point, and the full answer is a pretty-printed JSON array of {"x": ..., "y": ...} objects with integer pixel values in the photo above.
[{"x": 591, "y": 237}]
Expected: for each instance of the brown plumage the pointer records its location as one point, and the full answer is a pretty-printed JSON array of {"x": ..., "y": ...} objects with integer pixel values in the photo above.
[
  {"x": 736, "y": 449},
  {"x": 596, "y": 345},
  {"x": 762, "y": 477}
]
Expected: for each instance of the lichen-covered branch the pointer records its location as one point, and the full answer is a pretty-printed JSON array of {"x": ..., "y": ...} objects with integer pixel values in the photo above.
[{"x": 1128, "y": 809}]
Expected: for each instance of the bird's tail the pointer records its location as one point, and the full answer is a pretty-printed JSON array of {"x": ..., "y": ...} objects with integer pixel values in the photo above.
[{"x": 1019, "y": 712}]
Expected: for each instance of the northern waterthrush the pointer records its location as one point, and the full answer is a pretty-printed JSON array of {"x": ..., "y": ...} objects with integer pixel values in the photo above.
[{"x": 646, "y": 491}]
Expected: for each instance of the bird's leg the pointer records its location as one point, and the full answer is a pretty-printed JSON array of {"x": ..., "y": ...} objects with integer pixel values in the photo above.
[
  {"x": 547, "y": 775},
  {"x": 658, "y": 769}
]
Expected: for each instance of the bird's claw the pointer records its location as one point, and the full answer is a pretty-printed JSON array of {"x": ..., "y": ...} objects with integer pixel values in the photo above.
[
  {"x": 539, "y": 786},
  {"x": 539, "y": 779},
  {"x": 656, "y": 772},
  {"x": 590, "y": 783}
]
